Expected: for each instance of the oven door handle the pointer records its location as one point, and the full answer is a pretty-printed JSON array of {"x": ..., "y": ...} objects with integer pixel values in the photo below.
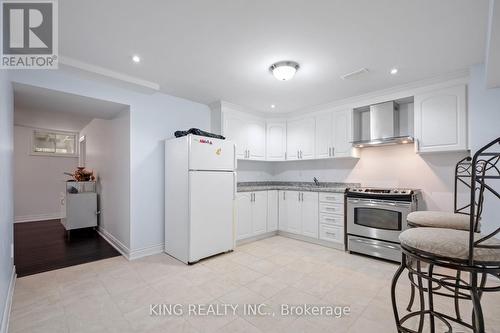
[
  {"x": 372, "y": 243},
  {"x": 379, "y": 204}
]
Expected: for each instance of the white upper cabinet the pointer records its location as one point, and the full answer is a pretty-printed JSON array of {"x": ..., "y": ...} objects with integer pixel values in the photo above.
[
  {"x": 324, "y": 135},
  {"x": 440, "y": 120},
  {"x": 248, "y": 134},
  {"x": 300, "y": 139},
  {"x": 256, "y": 138},
  {"x": 235, "y": 130},
  {"x": 276, "y": 141},
  {"x": 342, "y": 134},
  {"x": 334, "y": 134}
]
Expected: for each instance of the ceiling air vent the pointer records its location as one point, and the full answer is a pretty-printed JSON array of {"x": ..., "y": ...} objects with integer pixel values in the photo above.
[{"x": 355, "y": 74}]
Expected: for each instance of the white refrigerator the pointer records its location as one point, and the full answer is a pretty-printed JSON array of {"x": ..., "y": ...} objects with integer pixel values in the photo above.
[{"x": 200, "y": 190}]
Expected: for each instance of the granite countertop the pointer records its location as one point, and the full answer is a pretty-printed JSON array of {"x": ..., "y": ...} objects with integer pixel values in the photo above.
[{"x": 330, "y": 187}]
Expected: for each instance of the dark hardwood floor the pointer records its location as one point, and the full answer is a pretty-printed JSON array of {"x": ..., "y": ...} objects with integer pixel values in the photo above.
[{"x": 42, "y": 246}]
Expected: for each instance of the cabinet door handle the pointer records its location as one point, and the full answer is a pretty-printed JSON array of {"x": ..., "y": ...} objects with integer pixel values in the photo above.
[
  {"x": 333, "y": 151},
  {"x": 298, "y": 154},
  {"x": 330, "y": 151},
  {"x": 301, "y": 154},
  {"x": 298, "y": 196},
  {"x": 284, "y": 195},
  {"x": 302, "y": 194}
]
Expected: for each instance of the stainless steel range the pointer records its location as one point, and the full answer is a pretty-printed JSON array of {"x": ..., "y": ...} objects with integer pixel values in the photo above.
[{"x": 376, "y": 217}]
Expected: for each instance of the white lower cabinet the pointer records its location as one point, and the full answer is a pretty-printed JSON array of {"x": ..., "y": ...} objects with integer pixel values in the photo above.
[
  {"x": 251, "y": 214},
  {"x": 331, "y": 233},
  {"x": 244, "y": 215},
  {"x": 272, "y": 210},
  {"x": 299, "y": 213},
  {"x": 310, "y": 214},
  {"x": 315, "y": 215},
  {"x": 259, "y": 213},
  {"x": 331, "y": 217}
]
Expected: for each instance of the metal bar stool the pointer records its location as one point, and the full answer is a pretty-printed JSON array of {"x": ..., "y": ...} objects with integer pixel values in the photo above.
[
  {"x": 457, "y": 220},
  {"x": 456, "y": 249}
]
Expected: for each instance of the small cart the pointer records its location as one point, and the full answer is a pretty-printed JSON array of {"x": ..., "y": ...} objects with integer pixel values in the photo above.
[{"x": 81, "y": 206}]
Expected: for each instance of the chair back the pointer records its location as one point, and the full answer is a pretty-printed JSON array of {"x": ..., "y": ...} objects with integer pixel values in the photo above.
[{"x": 485, "y": 178}]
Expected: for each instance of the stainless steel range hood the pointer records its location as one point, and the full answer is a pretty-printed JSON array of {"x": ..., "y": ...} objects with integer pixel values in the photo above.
[{"x": 384, "y": 126}]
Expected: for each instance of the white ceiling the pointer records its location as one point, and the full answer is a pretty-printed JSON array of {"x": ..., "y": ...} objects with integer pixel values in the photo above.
[
  {"x": 206, "y": 50},
  {"x": 44, "y": 100}
]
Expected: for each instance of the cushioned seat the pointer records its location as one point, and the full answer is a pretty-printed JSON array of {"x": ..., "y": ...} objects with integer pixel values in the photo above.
[
  {"x": 448, "y": 243},
  {"x": 434, "y": 219}
]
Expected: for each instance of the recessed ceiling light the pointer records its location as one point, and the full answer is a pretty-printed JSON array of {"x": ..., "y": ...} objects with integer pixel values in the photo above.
[
  {"x": 136, "y": 59},
  {"x": 273, "y": 106},
  {"x": 284, "y": 70},
  {"x": 394, "y": 71}
]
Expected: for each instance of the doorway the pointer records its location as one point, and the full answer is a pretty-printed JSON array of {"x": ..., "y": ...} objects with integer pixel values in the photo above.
[{"x": 53, "y": 134}]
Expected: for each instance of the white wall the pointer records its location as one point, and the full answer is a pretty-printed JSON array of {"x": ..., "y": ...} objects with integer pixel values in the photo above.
[
  {"x": 6, "y": 190},
  {"x": 390, "y": 166},
  {"x": 252, "y": 171},
  {"x": 108, "y": 154},
  {"x": 38, "y": 180},
  {"x": 153, "y": 117},
  {"x": 51, "y": 120},
  {"x": 484, "y": 122}
]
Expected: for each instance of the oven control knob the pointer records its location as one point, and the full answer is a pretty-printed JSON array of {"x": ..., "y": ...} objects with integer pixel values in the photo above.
[{"x": 396, "y": 191}]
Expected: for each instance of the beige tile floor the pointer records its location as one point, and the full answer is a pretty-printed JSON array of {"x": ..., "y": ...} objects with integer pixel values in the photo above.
[{"x": 114, "y": 295}]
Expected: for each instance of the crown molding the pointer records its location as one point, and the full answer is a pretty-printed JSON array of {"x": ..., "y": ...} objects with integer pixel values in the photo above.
[{"x": 103, "y": 73}]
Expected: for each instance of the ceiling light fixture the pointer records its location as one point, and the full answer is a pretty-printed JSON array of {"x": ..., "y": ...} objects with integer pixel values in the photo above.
[
  {"x": 136, "y": 59},
  {"x": 394, "y": 71},
  {"x": 284, "y": 70},
  {"x": 273, "y": 106}
]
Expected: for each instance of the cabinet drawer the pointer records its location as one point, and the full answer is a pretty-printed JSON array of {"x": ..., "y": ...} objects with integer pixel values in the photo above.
[
  {"x": 330, "y": 208},
  {"x": 331, "y": 197},
  {"x": 331, "y": 233},
  {"x": 332, "y": 219}
]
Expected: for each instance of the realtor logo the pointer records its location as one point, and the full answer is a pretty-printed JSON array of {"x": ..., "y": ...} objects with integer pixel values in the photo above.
[{"x": 29, "y": 34}]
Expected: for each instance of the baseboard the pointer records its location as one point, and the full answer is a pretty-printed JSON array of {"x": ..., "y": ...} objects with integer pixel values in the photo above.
[
  {"x": 125, "y": 251},
  {"x": 256, "y": 238},
  {"x": 337, "y": 246},
  {"x": 38, "y": 217},
  {"x": 146, "y": 251},
  {"x": 8, "y": 302},
  {"x": 114, "y": 242}
]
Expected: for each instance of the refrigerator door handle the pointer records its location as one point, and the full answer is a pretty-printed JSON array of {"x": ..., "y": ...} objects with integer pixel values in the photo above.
[
  {"x": 235, "y": 158},
  {"x": 234, "y": 185}
]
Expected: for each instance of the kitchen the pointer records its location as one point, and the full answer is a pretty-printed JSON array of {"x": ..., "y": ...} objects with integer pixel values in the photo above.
[{"x": 300, "y": 167}]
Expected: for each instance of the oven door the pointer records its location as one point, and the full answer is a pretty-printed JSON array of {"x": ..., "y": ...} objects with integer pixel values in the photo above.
[{"x": 377, "y": 219}]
